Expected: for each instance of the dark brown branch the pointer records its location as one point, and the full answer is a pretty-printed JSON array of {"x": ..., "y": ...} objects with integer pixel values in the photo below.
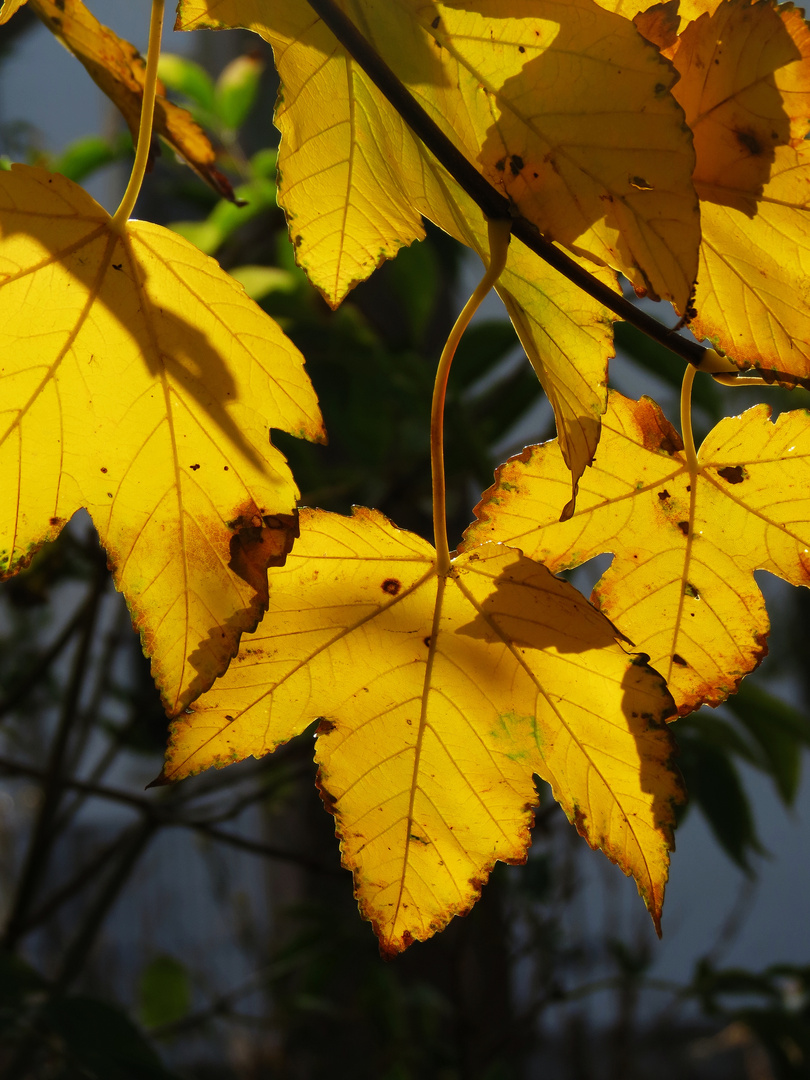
[
  {"x": 164, "y": 816},
  {"x": 495, "y": 205}
]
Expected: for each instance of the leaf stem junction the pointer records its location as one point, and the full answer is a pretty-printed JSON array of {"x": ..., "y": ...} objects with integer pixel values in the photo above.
[{"x": 122, "y": 214}]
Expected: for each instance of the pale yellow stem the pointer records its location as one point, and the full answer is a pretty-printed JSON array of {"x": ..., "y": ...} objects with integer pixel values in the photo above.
[
  {"x": 122, "y": 214},
  {"x": 500, "y": 231},
  {"x": 686, "y": 420}
]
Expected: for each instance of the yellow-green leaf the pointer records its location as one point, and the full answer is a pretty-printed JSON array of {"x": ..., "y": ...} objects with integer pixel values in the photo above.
[
  {"x": 140, "y": 382},
  {"x": 118, "y": 69},
  {"x": 745, "y": 89},
  {"x": 681, "y": 585},
  {"x": 439, "y": 698}
]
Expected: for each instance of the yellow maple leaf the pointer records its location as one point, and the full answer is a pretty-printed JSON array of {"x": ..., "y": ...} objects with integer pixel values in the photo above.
[
  {"x": 439, "y": 697},
  {"x": 354, "y": 183},
  {"x": 681, "y": 585},
  {"x": 140, "y": 382},
  {"x": 745, "y": 89},
  {"x": 118, "y": 69},
  {"x": 582, "y": 162}
]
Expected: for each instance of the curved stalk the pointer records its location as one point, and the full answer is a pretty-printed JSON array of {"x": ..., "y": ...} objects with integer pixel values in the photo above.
[
  {"x": 686, "y": 421},
  {"x": 499, "y": 236},
  {"x": 122, "y": 214}
]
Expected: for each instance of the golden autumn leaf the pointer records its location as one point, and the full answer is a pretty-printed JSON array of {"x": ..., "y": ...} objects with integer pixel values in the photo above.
[
  {"x": 140, "y": 382},
  {"x": 439, "y": 698},
  {"x": 594, "y": 173},
  {"x": 9, "y": 8},
  {"x": 118, "y": 69},
  {"x": 745, "y": 89},
  {"x": 354, "y": 184},
  {"x": 681, "y": 585}
]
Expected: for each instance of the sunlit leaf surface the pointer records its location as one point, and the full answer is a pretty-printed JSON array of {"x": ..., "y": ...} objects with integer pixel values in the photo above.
[
  {"x": 354, "y": 183},
  {"x": 8, "y": 8},
  {"x": 681, "y": 585},
  {"x": 745, "y": 88},
  {"x": 140, "y": 382},
  {"x": 438, "y": 700}
]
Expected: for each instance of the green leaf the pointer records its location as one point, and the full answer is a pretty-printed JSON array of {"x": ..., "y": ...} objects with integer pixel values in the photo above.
[
  {"x": 164, "y": 993},
  {"x": 186, "y": 77},
  {"x": 780, "y": 732},
  {"x": 236, "y": 90}
]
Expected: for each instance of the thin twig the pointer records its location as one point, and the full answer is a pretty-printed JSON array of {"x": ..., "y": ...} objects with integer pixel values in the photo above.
[{"x": 163, "y": 815}]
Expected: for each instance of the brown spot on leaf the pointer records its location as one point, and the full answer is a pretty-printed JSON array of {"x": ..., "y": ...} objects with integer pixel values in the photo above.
[
  {"x": 194, "y": 467},
  {"x": 690, "y": 590},
  {"x": 749, "y": 141},
  {"x": 260, "y": 541},
  {"x": 325, "y": 727},
  {"x": 515, "y": 164},
  {"x": 500, "y": 164},
  {"x": 435, "y": 23},
  {"x": 656, "y": 432},
  {"x": 57, "y": 522},
  {"x": 684, "y": 527},
  {"x": 103, "y": 469},
  {"x": 679, "y": 660},
  {"x": 391, "y": 586},
  {"x": 664, "y": 495},
  {"x": 734, "y": 474}
]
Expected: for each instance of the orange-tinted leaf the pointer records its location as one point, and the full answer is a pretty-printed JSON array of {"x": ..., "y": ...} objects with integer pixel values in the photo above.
[
  {"x": 140, "y": 382},
  {"x": 745, "y": 88},
  {"x": 438, "y": 699},
  {"x": 681, "y": 585},
  {"x": 118, "y": 69}
]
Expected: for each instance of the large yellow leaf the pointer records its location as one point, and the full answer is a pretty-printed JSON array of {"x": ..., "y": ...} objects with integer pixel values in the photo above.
[
  {"x": 681, "y": 585},
  {"x": 118, "y": 69},
  {"x": 745, "y": 88},
  {"x": 546, "y": 104},
  {"x": 140, "y": 382},
  {"x": 439, "y": 698},
  {"x": 354, "y": 183}
]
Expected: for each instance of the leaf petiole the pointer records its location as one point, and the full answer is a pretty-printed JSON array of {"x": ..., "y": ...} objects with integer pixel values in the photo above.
[
  {"x": 127, "y": 205},
  {"x": 686, "y": 421},
  {"x": 500, "y": 232}
]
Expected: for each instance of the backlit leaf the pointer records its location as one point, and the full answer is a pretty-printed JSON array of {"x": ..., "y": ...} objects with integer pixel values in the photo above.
[
  {"x": 545, "y": 104},
  {"x": 354, "y": 183},
  {"x": 681, "y": 585},
  {"x": 9, "y": 8},
  {"x": 141, "y": 383},
  {"x": 118, "y": 69},
  {"x": 439, "y": 698},
  {"x": 745, "y": 89}
]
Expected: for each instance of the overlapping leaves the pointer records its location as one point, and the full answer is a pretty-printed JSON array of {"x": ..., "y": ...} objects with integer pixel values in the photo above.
[
  {"x": 681, "y": 585},
  {"x": 439, "y": 698},
  {"x": 140, "y": 382},
  {"x": 354, "y": 181}
]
